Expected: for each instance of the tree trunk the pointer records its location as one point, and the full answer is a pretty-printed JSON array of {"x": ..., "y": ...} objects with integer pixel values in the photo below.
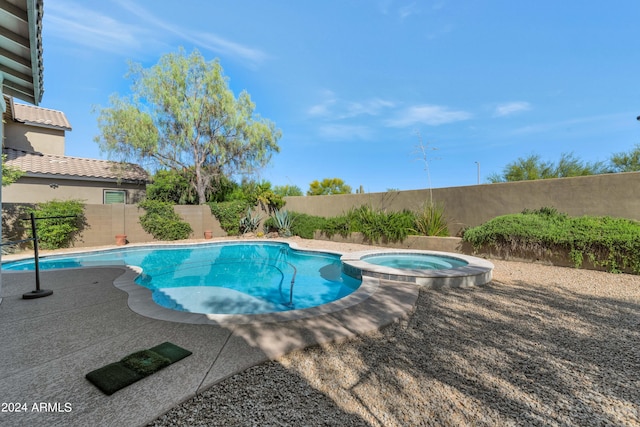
[{"x": 200, "y": 186}]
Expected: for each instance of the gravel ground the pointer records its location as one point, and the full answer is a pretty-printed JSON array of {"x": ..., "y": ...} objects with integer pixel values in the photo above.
[{"x": 540, "y": 345}]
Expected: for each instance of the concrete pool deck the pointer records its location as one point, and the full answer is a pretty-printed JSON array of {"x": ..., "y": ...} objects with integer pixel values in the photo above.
[{"x": 49, "y": 345}]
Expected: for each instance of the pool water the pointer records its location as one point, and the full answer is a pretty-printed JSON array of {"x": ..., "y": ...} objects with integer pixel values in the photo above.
[
  {"x": 223, "y": 278},
  {"x": 415, "y": 261}
]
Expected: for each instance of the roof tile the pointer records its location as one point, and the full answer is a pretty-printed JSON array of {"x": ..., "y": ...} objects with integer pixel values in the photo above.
[
  {"x": 48, "y": 164},
  {"x": 39, "y": 116}
]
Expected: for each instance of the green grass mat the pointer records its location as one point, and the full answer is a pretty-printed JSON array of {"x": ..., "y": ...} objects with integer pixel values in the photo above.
[{"x": 134, "y": 367}]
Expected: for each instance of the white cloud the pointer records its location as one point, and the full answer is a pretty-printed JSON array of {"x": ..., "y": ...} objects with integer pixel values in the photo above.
[
  {"x": 319, "y": 110},
  {"x": 323, "y": 109},
  {"x": 208, "y": 41},
  {"x": 345, "y": 132},
  {"x": 334, "y": 108},
  {"x": 408, "y": 10},
  {"x": 431, "y": 115},
  {"x": 76, "y": 24},
  {"x": 510, "y": 108},
  {"x": 223, "y": 46},
  {"x": 372, "y": 107},
  {"x": 581, "y": 124}
]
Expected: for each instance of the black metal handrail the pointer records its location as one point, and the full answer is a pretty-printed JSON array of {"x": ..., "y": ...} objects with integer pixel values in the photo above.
[{"x": 37, "y": 293}]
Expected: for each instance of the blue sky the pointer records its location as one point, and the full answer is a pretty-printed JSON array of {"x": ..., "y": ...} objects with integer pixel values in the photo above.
[{"x": 352, "y": 83}]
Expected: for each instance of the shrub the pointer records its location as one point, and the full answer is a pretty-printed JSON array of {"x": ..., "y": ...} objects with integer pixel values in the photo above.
[
  {"x": 305, "y": 225},
  {"x": 380, "y": 225},
  {"x": 56, "y": 233},
  {"x": 375, "y": 225},
  {"x": 431, "y": 221},
  {"x": 162, "y": 222},
  {"x": 611, "y": 243},
  {"x": 229, "y": 215}
]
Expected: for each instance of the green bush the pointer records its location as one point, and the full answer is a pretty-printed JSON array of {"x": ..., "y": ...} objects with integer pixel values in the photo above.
[
  {"x": 431, "y": 221},
  {"x": 305, "y": 225},
  {"x": 229, "y": 214},
  {"x": 611, "y": 243},
  {"x": 375, "y": 225},
  {"x": 337, "y": 225},
  {"x": 162, "y": 222},
  {"x": 56, "y": 233}
]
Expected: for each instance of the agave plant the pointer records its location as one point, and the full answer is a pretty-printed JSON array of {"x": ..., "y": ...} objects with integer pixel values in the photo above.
[
  {"x": 250, "y": 222},
  {"x": 283, "y": 221}
]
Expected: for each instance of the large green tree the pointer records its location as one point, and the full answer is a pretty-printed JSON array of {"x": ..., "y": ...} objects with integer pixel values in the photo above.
[
  {"x": 328, "y": 186},
  {"x": 183, "y": 116},
  {"x": 626, "y": 161},
  {"x": 288, "y": 190},
  {"x": 533, "y": 167}
]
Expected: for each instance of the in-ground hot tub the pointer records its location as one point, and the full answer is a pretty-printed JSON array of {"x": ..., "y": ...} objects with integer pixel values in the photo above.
[{"x": 426, "y": 268}]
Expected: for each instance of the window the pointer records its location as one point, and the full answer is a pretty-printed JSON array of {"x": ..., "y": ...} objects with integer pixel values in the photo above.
[{"x": 115, "y": 196}]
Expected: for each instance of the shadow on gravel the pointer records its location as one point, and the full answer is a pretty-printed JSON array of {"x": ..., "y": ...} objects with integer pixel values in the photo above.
[
  {"x": 501, "y": 354},
  {"x": 494, "y": 355}
]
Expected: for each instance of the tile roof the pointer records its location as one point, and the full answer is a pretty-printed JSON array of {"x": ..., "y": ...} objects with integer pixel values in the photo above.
[
  {"x": 39, "y": 116},
  {"x": 73, "y": 167}
]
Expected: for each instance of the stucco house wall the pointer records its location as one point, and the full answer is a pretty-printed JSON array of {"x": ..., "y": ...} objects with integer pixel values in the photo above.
[
  {"x": 28, "y": 138},
  {"x": 35, "y": 190},
  {"x": 35, "y": 143}
]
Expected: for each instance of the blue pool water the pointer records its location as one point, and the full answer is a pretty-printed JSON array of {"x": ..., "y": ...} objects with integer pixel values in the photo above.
[
  {"x": 223, "y": 278},
  {"x": 415, "y": 261}
]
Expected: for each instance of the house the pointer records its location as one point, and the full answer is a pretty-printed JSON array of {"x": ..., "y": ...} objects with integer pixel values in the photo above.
[{"x": 35, "y": 143}]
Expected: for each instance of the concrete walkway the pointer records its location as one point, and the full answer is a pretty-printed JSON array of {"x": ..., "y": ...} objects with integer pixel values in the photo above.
[{"x": 48, "y": 345}]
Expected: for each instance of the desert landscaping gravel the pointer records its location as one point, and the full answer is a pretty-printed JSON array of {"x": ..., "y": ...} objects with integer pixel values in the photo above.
[{"x": 539, "y": 345}]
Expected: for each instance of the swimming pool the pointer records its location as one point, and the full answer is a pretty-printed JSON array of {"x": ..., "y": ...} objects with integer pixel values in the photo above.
[{"x": 222, "y": 278}]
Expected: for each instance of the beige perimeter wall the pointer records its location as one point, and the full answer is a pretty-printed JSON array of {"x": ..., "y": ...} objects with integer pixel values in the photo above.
[
  {"x": 105, "y": 221},
  {"x": 615, "y": 195}
]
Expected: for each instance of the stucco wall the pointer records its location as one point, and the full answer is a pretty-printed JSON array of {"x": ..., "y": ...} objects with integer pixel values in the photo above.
[
  {"x": 30, "y": 138},
  {"x": 616, "y": 195},
  {"x": 35, "y": 190},
  {"x": 105, "y": 221}
]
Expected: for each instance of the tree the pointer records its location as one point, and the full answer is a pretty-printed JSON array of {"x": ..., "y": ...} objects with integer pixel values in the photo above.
[
  {"x": 257, "y": 193},
  {"x": 171, "y": 186},
  {"x": 626, "y": 161},
  {"x": 328, "y": 186},
  {"x": 532, "y": 167},
  {"x": 288, "y": 190},
  {"x": 183, "y": 116}
]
